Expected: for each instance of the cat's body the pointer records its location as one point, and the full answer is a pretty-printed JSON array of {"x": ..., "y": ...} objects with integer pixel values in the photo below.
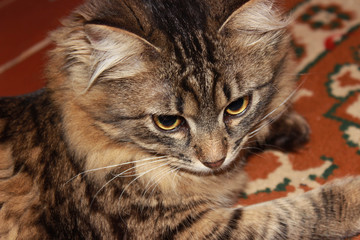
[{"x": 143, "y": 128}]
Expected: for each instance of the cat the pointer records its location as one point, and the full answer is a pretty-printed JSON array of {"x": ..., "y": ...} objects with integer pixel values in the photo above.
[{"x": 144, "y": 126}]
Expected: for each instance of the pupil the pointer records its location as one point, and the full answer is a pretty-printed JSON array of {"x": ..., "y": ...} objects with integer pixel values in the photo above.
[
  {"x": 167, "y": 120},
  {"x": 236, "y": 105}
]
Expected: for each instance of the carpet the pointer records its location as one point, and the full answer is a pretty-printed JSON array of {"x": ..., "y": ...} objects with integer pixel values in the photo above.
[{"x": 326, "y": 42}]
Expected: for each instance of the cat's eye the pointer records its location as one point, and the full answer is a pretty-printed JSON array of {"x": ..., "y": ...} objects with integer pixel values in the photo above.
[
  {"x": 238, "y": 107},
  {"x": 168, "y": 122}
]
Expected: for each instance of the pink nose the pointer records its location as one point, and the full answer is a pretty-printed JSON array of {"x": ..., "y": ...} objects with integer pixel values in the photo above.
[{"x": 214, "y": 165}]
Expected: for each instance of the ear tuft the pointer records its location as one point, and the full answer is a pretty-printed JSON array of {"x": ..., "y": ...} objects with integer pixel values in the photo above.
[
  {"x": 113, "y": 47},
  {"x": 255, "y": 17}
]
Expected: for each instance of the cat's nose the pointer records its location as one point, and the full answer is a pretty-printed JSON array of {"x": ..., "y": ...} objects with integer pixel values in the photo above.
[{"x": 214, "y": 165}]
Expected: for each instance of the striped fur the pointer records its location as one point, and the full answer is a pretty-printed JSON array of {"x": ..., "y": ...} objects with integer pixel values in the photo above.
[{"x": 83, "y": 158}]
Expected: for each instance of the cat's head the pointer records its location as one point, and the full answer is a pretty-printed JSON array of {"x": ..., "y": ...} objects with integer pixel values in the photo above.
[{"x": 176, "y": 78}]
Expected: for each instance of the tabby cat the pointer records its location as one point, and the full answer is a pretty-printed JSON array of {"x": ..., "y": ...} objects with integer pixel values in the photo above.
[{"x": 144, "y": 126}]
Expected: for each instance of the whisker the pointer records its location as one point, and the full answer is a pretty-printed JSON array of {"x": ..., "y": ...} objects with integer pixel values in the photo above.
[
  {"x": 256, "y": 131},
  {"x": 154, "y": 185},
  {"x": 274, "y": 110},
  {"x": 111, "y": 166},
  {"x": 140, "y": 177},
  {"x": 147, "y": 187},
  {"x": 154, "y": 180},
  {"x": 118, "y": 175},
  {"x": 254, "y": 153},
  {"x": 140, "y": 165},
  {"x": 282, "y": 103},
  {"x": 267, "y": 123}
]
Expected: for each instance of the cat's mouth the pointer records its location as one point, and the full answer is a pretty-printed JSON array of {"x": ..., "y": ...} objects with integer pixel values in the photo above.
[
  {"x": 214, "y": 165},
  {"x": 199, "y": 168},
  {"x": 210, "y": 168}
]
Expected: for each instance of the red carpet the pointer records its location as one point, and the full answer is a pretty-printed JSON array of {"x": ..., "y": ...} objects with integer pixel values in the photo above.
[{"x": 327, "y": 43}]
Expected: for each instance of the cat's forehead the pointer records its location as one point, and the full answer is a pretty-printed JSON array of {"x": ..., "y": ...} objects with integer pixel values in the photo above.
[{"x": 197, "y": 89}]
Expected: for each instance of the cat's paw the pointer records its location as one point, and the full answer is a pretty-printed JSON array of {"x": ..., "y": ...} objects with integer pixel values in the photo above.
[
  {"x": 288, "y": 133},
  {"x": 341, "y": 201}
]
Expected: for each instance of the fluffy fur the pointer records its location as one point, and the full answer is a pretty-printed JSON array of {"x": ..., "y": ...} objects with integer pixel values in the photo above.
[{"x": 86, "y": 158}]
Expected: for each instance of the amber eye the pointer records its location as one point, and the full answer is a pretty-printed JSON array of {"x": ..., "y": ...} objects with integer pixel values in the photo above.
[
  {"x": 167, "y": 122},
  {"x": 238, "y": 107}
]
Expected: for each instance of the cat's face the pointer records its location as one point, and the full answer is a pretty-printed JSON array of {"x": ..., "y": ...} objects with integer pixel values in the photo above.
[{"x": 198, "y": 99}]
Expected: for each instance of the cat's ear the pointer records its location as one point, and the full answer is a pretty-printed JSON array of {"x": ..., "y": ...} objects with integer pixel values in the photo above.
[
  {"x": 253, "y": 21},
  {"x": 116, "y": 52}
]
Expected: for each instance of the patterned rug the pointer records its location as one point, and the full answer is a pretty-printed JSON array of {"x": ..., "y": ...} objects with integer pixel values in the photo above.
[{"x": 326, "y": 42}]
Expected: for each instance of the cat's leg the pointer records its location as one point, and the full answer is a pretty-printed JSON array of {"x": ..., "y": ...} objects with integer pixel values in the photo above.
[
  {"x": 288, "y": 133},
  {"x": 329, "y": 212}
]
